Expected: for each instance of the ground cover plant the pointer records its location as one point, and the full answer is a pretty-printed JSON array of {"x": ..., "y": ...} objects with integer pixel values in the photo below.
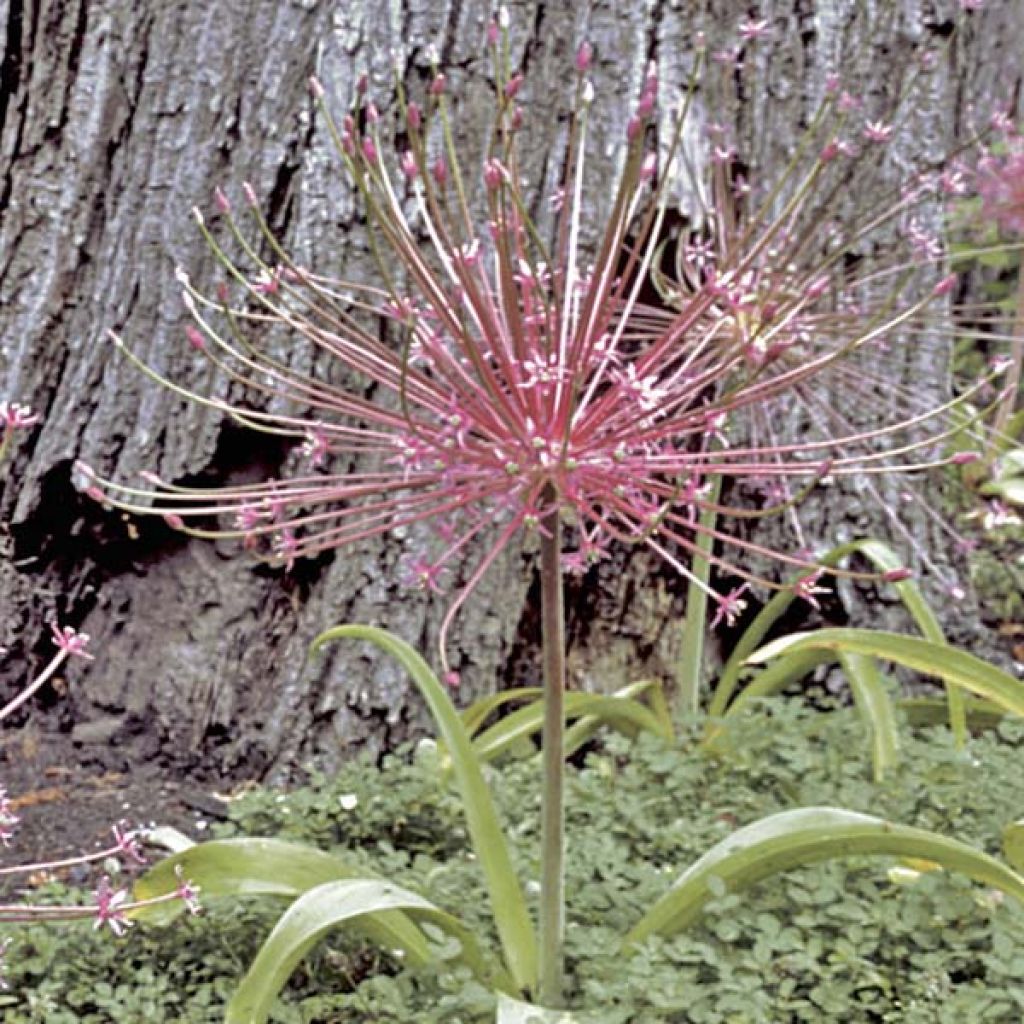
[
  {"x": 591, "y": 385},
  {"x": 869, "y": 940}
]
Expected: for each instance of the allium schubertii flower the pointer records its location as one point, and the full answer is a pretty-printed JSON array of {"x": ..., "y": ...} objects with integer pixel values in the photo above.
[{"x": 543, "y": 361}]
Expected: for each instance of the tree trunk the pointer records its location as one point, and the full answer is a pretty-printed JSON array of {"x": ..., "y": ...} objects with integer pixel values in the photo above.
[{"x": 116, "y": 118}]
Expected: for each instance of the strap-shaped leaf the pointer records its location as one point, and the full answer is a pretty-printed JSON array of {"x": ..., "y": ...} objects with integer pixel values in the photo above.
[
  {"x": 585, "y": 727},
  {"x": 806, "y": 836},
  {"x": 947, "y": 663},
  {"x": 318, "y": 911},
  {"x": 508, "y": 904},
  {"x": 267, "y": 867},
  {"x": 884, "y": 558},
  {"x": 622, "y": 713},
  {"x": 876, "y": 710}
]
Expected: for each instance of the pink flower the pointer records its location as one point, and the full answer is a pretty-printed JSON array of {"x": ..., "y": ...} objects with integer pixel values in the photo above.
[
  {"x": 187, "y": 892},
  {"x": 110, "y": 907},
  {"x": 520, "y": 380},
  {"x": 877, "y": 131},
  {"x": 17, "y": 417},
  {"x": 71, "y": 641}
]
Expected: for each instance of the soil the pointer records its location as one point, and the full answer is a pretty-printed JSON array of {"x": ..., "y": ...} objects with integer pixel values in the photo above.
[{"x": 69, "y": 787}]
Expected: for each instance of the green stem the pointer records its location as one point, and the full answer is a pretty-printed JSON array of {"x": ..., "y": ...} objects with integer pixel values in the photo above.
[{"x": 553, "y": 642}]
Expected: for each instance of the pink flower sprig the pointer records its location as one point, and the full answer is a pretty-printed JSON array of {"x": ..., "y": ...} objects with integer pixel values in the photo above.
[
  {"x": 14, "y": 417},
  {"x": 529, "y": 371},
  {"x": 70, "y": 643}
]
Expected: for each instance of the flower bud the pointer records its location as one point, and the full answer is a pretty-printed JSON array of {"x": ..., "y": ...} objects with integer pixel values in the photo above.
[
  {"x": 514, "y": 84},
  {"x": 438, "y": 85},
  {"x": 494, "y": 174},
  {"x": 584, "y": 55},
  {"x": 897, "y": 575},
  {"x": 221, "y": 200},
  {"x": 414, "y": 116}
]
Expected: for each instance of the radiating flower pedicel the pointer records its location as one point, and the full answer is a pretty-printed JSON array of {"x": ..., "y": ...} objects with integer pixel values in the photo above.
[{"x": 571, "y": 364}]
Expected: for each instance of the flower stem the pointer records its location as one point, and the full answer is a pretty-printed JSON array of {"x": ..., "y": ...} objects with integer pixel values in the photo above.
[{"x": 553, "y": 642}]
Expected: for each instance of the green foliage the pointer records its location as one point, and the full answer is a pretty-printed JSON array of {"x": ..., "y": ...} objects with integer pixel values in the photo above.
[
  {"x": 860, "y": 669},
  {"x": 838, "y": 940}
]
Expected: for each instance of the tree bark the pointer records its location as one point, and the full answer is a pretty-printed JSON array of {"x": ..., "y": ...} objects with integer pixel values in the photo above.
[{"x": 116, "y": 119}]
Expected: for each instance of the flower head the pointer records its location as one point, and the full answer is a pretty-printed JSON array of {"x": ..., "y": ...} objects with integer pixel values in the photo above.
[
  {"x": 1000, "y": 183},
  {"x": 530, "y": 373}
]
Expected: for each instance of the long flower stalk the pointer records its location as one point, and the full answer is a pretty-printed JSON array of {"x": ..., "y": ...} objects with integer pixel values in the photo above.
[{"x": 553, "y": 646}]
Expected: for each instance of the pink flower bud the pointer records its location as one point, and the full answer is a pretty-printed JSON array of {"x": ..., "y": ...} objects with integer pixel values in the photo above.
[
  {"x": 965, "y": 458},
  {"x": 362, "y": 84},
  {"x": 372, "y": 114},
  {"x": 829, "y": 151},
  {"x": 584, "y": 55},
  {"x": 897, "y": 575},
  {"x": 348, "y": 124},
  {"x": 493, "y": 32},
  {"x": 221, "y": 200},
  {"x": 409, "y": 166},
  {"x": 370, "y": 150},
  {"x": 175, "y": 522},
  {"x": 195, "y": 337},
  {"x": 645, "y": 107},
  {"x": 437, "y": 86},
  {"x": 633, "y": 128},
  {"x": 414, "y": 116},
  {"x": 439, "y": 170},
  {"x": 946, "y": 285},
  {"x": 517, "y": 119},
  {"x": 817, "y": 288},
  {"x": 649, "y": 167},
  {"x": 451, "y": 679},
  {"x": 250, "y": 194},
  {"x": 223, "y": 295},
  {"x": 316, "y": 88},
  {"x": 494, "y": 174},
  {"x": 515, "y": 83}
]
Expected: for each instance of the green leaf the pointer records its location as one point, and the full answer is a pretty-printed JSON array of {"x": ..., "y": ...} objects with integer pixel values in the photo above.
[
  {"x": 876, "y": 711},
  {"x": 313, "y": 915},
  {"x": 1013, "y": 844},
  {"x": 620, "y": 712},
  {"x": 581, "y": 730},
  {"x": 806, "y": 836},
  {"x": 265, "y": 867},
  {"x": 479, "y": 711},
  {"x": 689, "y": 676},
  {"x": 981, "y": 714},
  {"x": 947, "y": 663},
  {"x": 883, "y": 557},
  {"x": 512, "y": 1011},
  {"x": 508, "y": 904}
]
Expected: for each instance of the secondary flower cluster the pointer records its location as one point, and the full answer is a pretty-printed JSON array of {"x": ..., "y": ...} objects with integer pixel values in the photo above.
[
  {"x": 109, "y": 906},
  {"x": 614, "y": 370}
]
